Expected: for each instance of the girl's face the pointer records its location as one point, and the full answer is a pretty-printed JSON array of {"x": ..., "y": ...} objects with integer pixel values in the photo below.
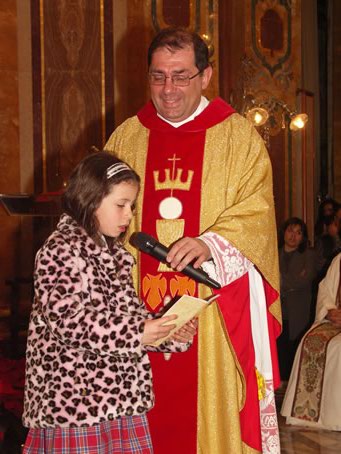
[
  {"x": 293, "y": 237},
  {"x": 116, "y": 209}
]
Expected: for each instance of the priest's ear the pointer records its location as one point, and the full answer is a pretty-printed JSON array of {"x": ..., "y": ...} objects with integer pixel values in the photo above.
[{"x": 206, "y": 77}]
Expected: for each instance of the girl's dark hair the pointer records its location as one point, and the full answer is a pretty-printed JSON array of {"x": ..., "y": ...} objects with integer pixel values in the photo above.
[
  {"x": 294, "y": 221},
  {"x": 175, "y": 38},
  {"x": 88, "y": 185}
]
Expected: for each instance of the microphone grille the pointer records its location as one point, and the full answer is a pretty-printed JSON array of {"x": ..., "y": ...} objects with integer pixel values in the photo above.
[{"x": 142, "y": 241}]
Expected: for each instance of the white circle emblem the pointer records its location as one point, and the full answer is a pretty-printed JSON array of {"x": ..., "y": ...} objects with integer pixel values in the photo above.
[{"x": 170, "y": 208}]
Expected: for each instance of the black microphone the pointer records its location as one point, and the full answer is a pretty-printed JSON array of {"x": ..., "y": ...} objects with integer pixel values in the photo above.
[{"x": 148, "y": 244}]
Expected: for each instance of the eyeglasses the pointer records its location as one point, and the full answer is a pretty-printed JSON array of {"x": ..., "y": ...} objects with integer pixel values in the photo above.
[{"x": 178, "y": 80}]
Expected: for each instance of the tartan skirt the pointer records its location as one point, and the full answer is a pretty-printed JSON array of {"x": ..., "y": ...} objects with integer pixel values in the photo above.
[{"x": 128, "y": 435}]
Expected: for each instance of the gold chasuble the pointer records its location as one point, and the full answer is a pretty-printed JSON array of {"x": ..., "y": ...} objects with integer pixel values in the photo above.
[{"x": 210, "y": 174}]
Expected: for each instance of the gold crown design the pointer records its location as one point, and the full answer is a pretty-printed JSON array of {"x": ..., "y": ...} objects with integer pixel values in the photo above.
[{"x": 176, "y": 183}]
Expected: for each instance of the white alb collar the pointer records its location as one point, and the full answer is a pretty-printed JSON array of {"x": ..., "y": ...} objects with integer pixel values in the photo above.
[{"x": 204, "y": 102}]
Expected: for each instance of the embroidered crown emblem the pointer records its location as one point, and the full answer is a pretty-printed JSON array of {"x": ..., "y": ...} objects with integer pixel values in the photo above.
[{"x": 173, "y": 183}]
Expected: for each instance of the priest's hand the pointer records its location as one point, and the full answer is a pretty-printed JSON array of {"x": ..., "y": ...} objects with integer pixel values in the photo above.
[
  {"x": 334, "y": 316},
  {"x": 187, "y": 332},
  {"x": 156, "y": 329},
  {"x": 188, "y": 250}
]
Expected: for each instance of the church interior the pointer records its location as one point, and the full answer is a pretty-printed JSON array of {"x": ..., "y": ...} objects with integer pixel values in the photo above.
[{"x": 72, "y": 71}]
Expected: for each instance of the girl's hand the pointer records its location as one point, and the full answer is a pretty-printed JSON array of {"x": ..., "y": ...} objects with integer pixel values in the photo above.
[
  {"x": 156, "y": 329},
  {"x": 187, "y": 332}
]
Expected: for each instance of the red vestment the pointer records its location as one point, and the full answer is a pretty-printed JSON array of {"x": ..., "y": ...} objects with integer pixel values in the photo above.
[{"x": 175, "y": 381}]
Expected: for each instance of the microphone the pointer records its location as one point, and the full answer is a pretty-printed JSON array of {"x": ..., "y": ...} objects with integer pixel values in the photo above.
[{"x": 151, "y": 246}]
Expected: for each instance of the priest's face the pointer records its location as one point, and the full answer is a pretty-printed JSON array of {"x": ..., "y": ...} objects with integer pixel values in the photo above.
[{"x": 172, "y": 102}]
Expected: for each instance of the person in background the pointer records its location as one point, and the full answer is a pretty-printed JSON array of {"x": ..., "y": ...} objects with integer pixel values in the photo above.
[
  {"x": 329, "y": 243},
  {"x": 338, "y": 214},
  {"x": 298, "y": 265},
  {"x": 88, "y": 377},
  {"x": 207, "y": 195},
  {"x": 328, "y": 207},
  {"x": 312, "y": 397}
]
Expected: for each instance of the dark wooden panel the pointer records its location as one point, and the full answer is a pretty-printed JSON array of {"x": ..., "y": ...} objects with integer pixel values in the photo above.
[
  {"x": 176, "y": 12},
  {"x": 36, "y": 95},
  {"x": 277, "y": 156},
  {"x": 336, "y": 90},
  {"x": 231, "y": 45},
  {"x": 109, "y": 68},
  {"x": 73, "y": 85}
]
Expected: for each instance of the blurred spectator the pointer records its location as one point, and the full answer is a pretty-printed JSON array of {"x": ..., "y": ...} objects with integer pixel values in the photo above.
[
  {"x": 312, "y": 397},
  {"x": 329, "y": 244},
  {"x": 299, "y": 265},
  {"x": 327, "y": 208},
  {"x": 338, "y": 214}
]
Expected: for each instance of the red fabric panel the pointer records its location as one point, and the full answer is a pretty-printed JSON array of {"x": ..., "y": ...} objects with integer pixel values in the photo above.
[
  {"x": 175, "y": 381},
  {"x": 163, "y": 148},
  {"x": 173, "y": 419},
  {"x": 234, "y": 304},
  {"x": 174, "y": 153}
]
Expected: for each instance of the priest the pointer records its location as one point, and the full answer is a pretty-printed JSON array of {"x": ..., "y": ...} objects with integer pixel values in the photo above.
[{"x": 206, "y": 194}]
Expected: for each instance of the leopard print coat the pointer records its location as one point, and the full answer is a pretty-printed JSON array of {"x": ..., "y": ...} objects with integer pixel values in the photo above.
[{"x": 85, "y": 361}]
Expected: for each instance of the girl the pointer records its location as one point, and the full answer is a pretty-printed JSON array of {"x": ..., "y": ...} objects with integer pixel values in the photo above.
[{"x": 88, "y": 378}]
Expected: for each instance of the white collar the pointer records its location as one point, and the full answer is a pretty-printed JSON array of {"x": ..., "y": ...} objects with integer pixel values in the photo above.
[{"x": 204, "y": 102}]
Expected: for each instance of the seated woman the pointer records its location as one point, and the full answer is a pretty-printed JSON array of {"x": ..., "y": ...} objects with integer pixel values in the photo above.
[
  {"x": 313, "y": 394},
  {"x": 298, "y": 264}
]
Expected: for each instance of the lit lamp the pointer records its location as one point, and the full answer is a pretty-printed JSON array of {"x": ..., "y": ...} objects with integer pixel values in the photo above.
[
  {"x": 298, "y": 121},
  {"x": 257, "y": 115}
]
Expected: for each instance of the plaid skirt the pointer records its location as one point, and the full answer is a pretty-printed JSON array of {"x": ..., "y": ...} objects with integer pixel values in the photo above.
[{"x": 128, "y": 435}]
